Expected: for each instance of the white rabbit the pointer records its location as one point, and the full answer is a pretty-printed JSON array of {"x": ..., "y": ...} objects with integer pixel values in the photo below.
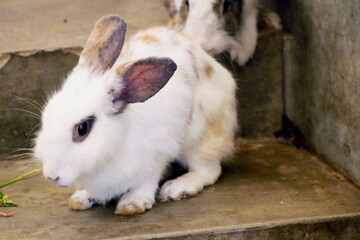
[
  {"x": 125, "y": 112},
  {"x": 218, "y": 25},
  {"x": 221, "y": 25}
]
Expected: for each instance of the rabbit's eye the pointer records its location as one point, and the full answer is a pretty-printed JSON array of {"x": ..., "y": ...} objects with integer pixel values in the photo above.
[
  {"x": 82, "y": 129},
  {"x": 187, "y": 3},
  {"x": 226, "y": 6}
]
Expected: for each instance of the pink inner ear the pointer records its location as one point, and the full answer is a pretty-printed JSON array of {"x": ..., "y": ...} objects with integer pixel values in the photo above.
[
  {"x": 142, "y": 73},
  {"x": 145, "y": 78}
]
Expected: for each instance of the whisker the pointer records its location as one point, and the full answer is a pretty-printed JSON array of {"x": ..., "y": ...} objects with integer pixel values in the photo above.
[
  {"x": 20, "y": 156},
  {"x": 33, "y": 103},
  {"x": 33, "y": 165},
  {"x": 20, "y": 150},
  {"x": 32, "y": 114},
  {"x": 28, "y": 99},
  {"x": 31, "y": 131}
]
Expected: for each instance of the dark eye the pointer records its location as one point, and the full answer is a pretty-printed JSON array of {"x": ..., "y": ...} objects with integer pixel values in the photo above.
[
  {"x": 82, "y": 129},
  {"x": 187, "y": 3},
  {"x": 226, "y": 5}
]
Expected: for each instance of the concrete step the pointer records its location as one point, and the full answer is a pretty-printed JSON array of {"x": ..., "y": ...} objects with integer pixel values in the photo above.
[
  {"x": 40, "y": 43},
  {"x": 270, "y": 190}
]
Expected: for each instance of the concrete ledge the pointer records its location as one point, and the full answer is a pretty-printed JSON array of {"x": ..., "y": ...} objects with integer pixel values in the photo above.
[
  {"x": 341, "y": 227},
  {"x": 270, "y": 191}
]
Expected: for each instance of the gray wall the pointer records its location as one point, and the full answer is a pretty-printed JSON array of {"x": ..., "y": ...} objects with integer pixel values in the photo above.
[
  {"x": 322, "y": 79},
  {"x": 33, "y": 77}
]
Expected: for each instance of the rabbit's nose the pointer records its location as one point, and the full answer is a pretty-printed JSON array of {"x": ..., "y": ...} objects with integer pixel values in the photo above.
[{"x": 56, "y": 179}]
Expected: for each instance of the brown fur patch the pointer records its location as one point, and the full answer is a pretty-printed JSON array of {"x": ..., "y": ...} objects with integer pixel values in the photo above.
[
  {"x": 217, "y": 127},
  {"x": 172, "y": 22},
  {"x": 209, "y": 70},
  {"x": 201, "y": 108},
  {"x": 148, "y": 38},
  {"x": 193, "y": 59},
  {"x": 182, "y": 34},
  {"x": 122, "y": 68}
]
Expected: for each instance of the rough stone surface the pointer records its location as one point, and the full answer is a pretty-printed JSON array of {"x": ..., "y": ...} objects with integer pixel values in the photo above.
[
  {"x": 259, "y": 87},
  {"x": 322, "y": 86},
  {"x": 269, "y": 191}
]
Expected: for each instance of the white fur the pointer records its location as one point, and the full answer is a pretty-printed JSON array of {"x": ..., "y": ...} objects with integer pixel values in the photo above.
[
  {"x": 207, "y": 28},
  {"x": 125, "y": 154}
]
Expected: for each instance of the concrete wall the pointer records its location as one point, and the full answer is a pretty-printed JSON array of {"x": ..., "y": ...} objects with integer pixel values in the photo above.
[
  {"x": 32, "y": 77},
  {"x": 322, "y": 78},
  {"x": 259, "y": 87}
]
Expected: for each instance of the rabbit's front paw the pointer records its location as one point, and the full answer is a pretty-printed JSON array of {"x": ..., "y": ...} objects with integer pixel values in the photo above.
[
  {"x": 133, "y": 204},
  {"x": 179, "y": 188},
  {"x": 240, "y": 55},
  {"x": 81, "y": 200}
]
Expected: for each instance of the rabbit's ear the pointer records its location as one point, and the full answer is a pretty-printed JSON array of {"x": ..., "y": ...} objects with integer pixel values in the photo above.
[
  {"x": 140, "y": 80},
  {"x": 105, "y": 42}
]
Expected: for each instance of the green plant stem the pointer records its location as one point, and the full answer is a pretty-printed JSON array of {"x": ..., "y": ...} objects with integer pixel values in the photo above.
[{"x": 22, "y": 176}]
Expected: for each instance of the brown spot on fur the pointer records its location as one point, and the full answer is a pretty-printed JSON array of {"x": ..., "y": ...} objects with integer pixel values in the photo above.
[
  {"x": 193, "y": 59},
  {"x": 122, "y": 68},
  {"x": 156, "y": 28},
  {"x": 148, "y": 38},
  {"x": 209, "y": 70},
  {"x": 201, "y": 109},
  {"x": 182, "y": 34},
  {"x": 216, "y": 126},
  {"x": 172, "y": 22}
]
